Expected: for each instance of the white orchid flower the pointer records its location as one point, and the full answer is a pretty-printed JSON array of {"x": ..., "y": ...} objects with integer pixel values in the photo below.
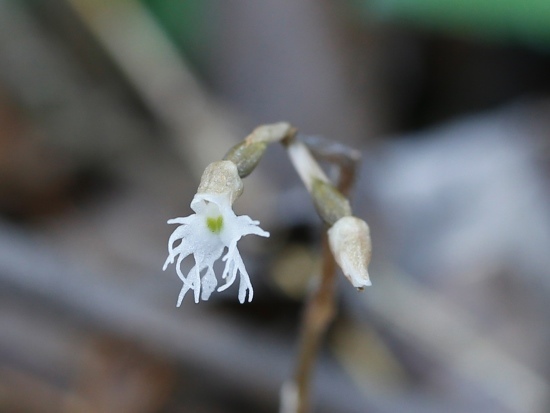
[{"x": 207, "y": 233}]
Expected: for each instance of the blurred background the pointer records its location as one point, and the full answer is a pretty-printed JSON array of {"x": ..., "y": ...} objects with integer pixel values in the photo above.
[{"x": 111, "y": 109}]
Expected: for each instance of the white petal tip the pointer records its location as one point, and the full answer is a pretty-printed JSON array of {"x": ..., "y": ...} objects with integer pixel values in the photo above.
[
  {"x": 359, "y": 279},
  {"x": 361, "y": 284}
]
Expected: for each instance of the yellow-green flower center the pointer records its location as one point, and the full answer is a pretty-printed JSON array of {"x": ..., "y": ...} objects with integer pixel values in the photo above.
[{"x": 215, "y": 224}]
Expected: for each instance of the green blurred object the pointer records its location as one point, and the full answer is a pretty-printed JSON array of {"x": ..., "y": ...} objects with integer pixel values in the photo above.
[
  {"x": 500, "y": 20},
  {"x": 188, "y": 24}
]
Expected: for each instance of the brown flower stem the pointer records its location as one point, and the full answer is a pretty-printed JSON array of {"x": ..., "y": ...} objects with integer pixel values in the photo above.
[{"x": 319, "y": 312}]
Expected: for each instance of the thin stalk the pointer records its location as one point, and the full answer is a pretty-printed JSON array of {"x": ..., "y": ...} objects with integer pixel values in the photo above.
[{"x": 318, "y": 314}]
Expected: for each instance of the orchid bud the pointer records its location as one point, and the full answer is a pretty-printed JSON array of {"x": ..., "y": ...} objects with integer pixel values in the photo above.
[{"x": 349, "y": 240}]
